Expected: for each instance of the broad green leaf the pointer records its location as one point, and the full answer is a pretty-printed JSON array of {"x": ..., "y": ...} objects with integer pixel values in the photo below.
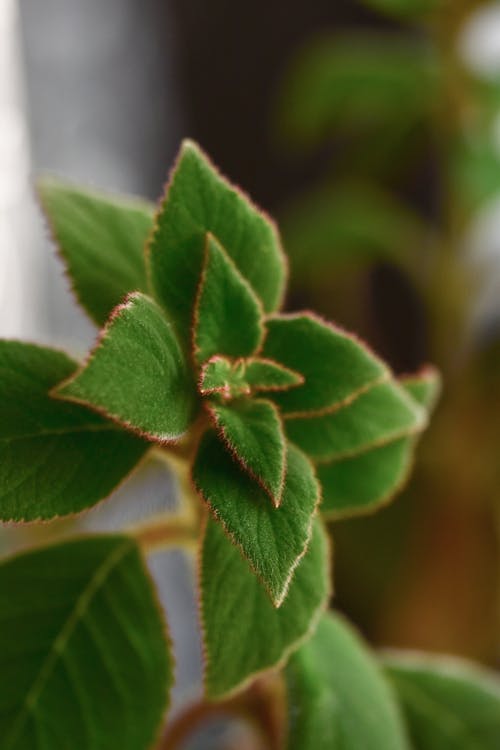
[
  {"x": 338, "y": 696},
  {"x": 406, "y": 9},
  {"x": 200, "y": 200},
  {"x": 351, "y": 224},
  {"x": 227, "y": 318},
  {"x": 83, "y": 651},
  {"x": 56, "y": 458},
  {"x": 335, "y": 365},
  {"x": 101, "y": 240},
  {"x": 358, "y": 82},
  {"x": 272, "y": 539},
  {"x": 243, "y": 633},
  {"x": 252, "y": 430},
  {"x": 137, "y": 374},
  {"x": 362, "y": 483},
  {"x": 449, "y": 704},
  {"x": 245, "y": 376},
  {"x": 377, "y": 416}
]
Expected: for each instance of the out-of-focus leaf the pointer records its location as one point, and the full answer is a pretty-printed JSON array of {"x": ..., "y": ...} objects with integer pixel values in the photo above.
[
  {"x": 448, "y": 703},
  {"x": 338, "y": 697},
  {"x": 357, "y": 81},
  {"x": 357, "y": 222},
  {"x": 406, "y": 9}
]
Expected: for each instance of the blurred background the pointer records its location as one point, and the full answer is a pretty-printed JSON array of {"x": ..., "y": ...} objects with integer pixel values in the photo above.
[{"x": 371, "y": 130}]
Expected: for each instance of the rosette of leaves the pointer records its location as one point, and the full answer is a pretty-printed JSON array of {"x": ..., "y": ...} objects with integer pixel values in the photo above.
[{"x": 270, "y": 412}]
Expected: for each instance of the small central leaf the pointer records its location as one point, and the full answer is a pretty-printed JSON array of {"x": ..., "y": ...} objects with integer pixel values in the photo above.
[
  {"x": 252, "y": 431},
  {"x": 227, "y": 316},
  {"x": 241, "y": 377}
]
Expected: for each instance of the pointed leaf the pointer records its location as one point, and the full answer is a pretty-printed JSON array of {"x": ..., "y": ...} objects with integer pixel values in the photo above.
[
  {"x": 101, "y": 240},
  {"x": 227, "y": 317},
  {"x": 272, "y": 539},
  {"x": 376, "y": 417},
  {"x": 55, "y": 457},
  {"x": 243, "y": 633},
  {"x": 137, "y": 373},
  {"x": 252, "y": 430},
  {"x": 338, "y": 696},
  {"x": 83, "y": 653},
  {"x": 245, "y": 376},
  {"x": 199, "y": 200},
  {"x": 335, "y": 365},
  {"x": 363, "y": 483},
  {"x": 448, "y": 703},
  {"x": 267, "y": 375},
  {"x": 224, "y": 376}
]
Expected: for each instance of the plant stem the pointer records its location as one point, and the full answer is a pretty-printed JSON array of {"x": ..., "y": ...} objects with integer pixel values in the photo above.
[{"x": 164, "y": 531}]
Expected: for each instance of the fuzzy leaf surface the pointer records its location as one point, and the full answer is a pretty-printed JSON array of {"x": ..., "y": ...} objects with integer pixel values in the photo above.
[
  {"x": 448, "y": 704},
  {"x": 56, "y": 458},
  {"x": 137, "y": 374},
  {"x": 200, "y": 200},
  {"x": 245, "y": 376},
  {"x": 101, "y": 240},
  {"x": 271, "y": 539},
  {"x": 227, "y": 319},
  {"x": 83, "y": 652},
  {"x": 334, "y": 364},
  {"x": 361, "y": 483},
  {"x": 338, "y": 696},
  {"x": 377, "y": 416},
  {"x": 252, "y": 430},
  {"x": 243, "y": 633}
]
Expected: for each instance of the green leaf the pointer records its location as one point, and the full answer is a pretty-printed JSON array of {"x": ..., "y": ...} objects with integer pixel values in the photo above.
[
  {"x": 363, "y": 483},
  {"x": 137, "y": 374},
  {"x": 267, "y": 375},
  {"x": 377, "y": 416},
  {"x": 83, "y": 653},
  {"x": 101, "y": 240},
  {"x": 55, "y": 458},
  {"x": 272, "y": 539},
  {"x": 358, "y": 82},
  {"x": 336, "y": 366},
  {"x": 243, "y": 633},
  {"x": 242, "y": 377},
  {"x": 337, "y": 695},
  {"x": 449, "y": 704},
  {"x": 228, "y": 315},
  {"x": 200, "y": 200},
  {"x": 252, "y": 431}
]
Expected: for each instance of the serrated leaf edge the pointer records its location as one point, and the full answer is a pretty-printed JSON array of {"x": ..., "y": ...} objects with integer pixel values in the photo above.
[
  {"x": 160, "y": 439},
  {"x": 221, "y": 432},
  {"x": 291, "y": 648}
]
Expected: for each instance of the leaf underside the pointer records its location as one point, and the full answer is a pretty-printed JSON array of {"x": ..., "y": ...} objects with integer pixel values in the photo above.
[
  {"x": 56, "y": 458},
  {"x": 101, "y": 240},
  {"x": 137, "y": 374},
  {"x": 243, "y": 633},
  {"x": 271, "y": 539},
  {"x": 199, "y": 200},
  {"x": 338, "y": 696},
  {"x": 83, "y": 654}
]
